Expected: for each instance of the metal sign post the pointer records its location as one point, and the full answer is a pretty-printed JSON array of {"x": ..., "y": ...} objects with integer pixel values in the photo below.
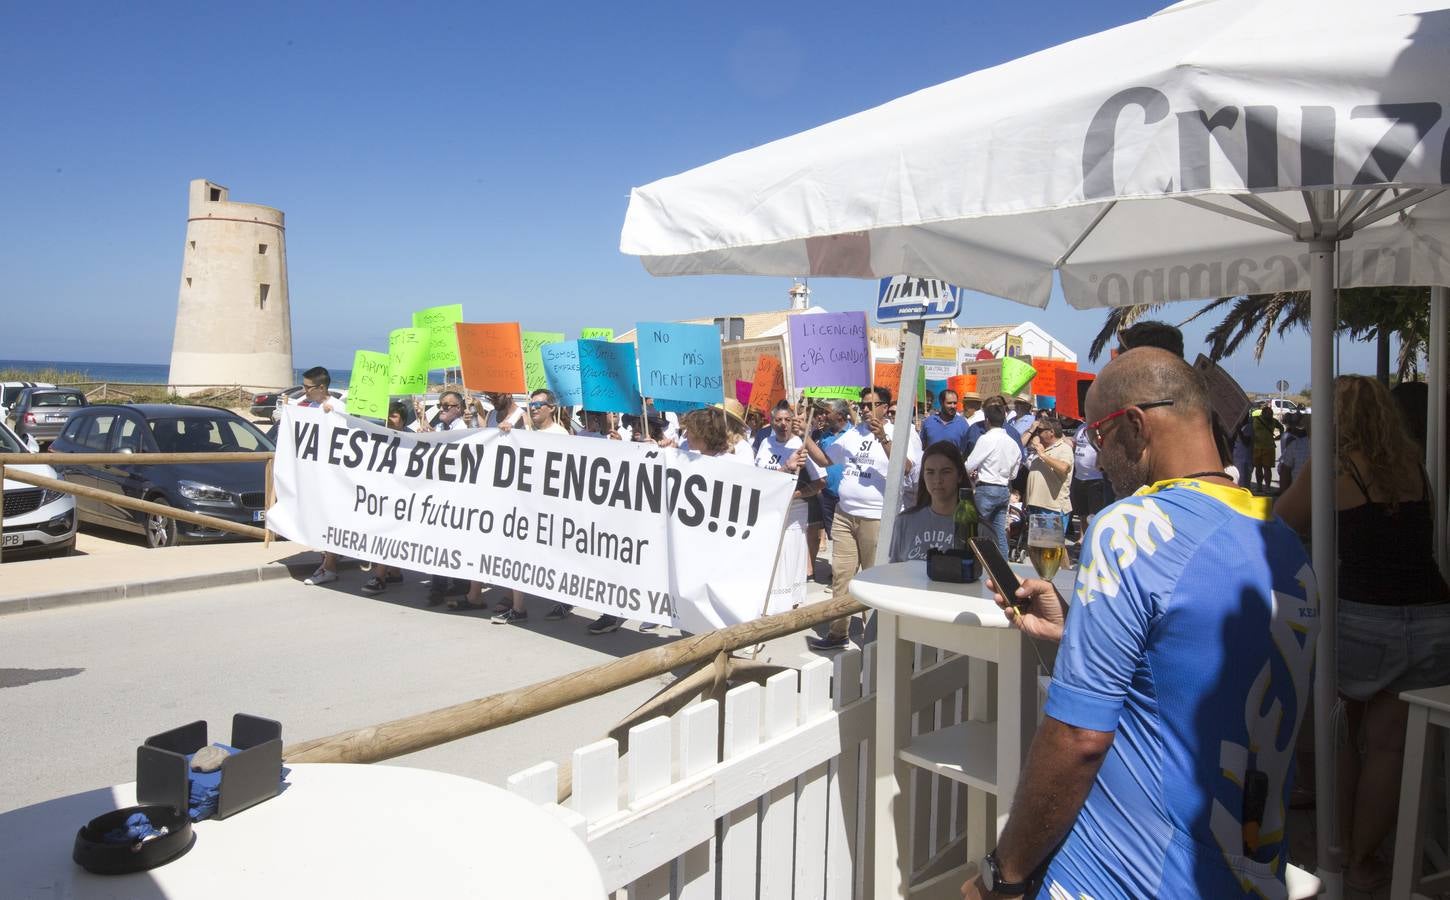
[{"x": 900, "y": 438}]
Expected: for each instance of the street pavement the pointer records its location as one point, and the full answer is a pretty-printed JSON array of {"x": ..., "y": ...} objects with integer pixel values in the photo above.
[{"x": 81, "y": 686}]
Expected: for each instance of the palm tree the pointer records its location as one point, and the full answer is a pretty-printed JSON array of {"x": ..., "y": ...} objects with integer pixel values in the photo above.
[{"x": 1364, "y": 313}]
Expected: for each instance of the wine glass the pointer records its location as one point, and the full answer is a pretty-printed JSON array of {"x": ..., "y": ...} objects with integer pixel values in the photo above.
[{"x": 1046, "y": 543}]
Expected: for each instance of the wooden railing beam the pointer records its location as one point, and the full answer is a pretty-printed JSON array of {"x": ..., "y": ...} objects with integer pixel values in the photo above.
[{"x": 419, "y": 732}]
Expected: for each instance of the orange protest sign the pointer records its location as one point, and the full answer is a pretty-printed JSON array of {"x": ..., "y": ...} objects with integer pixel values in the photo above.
[
  {"x": 888, "y": 375},
  {"x": 963, "y": 385},
  {"x": 768, "y": 387},
  {"x": 492, "y": 356}
]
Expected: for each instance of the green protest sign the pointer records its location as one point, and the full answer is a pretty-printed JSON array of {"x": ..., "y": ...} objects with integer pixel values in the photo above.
[
  {"x": 596, "y": 334},
  {"x": 442, "y": 341},
  {"x": 367, "y": 389},
  {"x": 833, "y": 393},
  {"x": 408, "y": 361},
  {"x": 1016, "y": 375},
  {"x": 534, "y": 377}
]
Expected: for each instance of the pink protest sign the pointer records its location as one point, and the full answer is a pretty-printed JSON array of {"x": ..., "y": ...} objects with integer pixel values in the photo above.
[{"x": 742, "y": 392}]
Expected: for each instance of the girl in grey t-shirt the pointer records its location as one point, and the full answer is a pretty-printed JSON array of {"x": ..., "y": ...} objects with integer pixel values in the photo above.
[{"x": 930, "y": 522}]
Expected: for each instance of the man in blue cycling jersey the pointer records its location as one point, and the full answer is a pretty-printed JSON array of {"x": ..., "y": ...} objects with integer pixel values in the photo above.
[{"x": 1163, "y": 765}]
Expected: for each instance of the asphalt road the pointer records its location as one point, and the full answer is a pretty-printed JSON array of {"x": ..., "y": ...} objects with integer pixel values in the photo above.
[{"x": 81, "y": 687}]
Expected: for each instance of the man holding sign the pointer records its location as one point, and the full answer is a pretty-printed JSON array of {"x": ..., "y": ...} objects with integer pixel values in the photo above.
[
  {"x": 316, "y": 383},
  {"x": 781, "y": 450},
  {"x": 864, "y": 453}
]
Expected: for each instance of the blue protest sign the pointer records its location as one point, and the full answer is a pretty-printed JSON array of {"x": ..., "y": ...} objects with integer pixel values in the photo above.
[
  {"x": 680, "y": 362},
  {"x": 561, "y": 369},
  {"x": 608, "y": 377},
  {"x": 677, "y": 406}
]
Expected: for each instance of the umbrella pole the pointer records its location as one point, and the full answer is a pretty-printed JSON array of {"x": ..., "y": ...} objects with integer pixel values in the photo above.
[
  {"x": 1435, "y": 433},
  {"x": 1324, "y": 538},
  {"x": 893, "y": 857}
]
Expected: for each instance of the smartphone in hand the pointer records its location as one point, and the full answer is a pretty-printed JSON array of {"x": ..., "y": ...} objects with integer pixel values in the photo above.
[{"x": 996, "y": 567}]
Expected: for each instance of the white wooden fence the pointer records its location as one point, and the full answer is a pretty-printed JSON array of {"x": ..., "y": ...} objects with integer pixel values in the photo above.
[{"x": 775, "y": 805}]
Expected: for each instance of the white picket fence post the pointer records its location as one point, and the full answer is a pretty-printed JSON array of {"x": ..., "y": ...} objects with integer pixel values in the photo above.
[{"x": 772, "y": 804}]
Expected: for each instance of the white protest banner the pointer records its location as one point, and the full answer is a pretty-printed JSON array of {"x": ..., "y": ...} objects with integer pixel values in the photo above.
[{"x": 651, "y": 534}]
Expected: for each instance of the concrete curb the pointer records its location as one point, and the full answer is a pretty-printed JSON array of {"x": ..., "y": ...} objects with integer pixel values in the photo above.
[{"x": 151, "y": 588}]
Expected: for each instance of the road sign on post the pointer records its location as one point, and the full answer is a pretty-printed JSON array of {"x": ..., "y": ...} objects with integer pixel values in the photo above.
[
  {"x": 1281, "y": 386},
  {"x": 906, "y": 298}
]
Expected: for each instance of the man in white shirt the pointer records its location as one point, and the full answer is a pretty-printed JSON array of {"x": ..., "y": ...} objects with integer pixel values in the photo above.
[
  {"x": 781, "y": 450},
  {"x": 316, "y": 382},
  {"x": 453, "y": 414},
  {"x": 994, "y": 461},
  {"x": 864, "y": 452}
]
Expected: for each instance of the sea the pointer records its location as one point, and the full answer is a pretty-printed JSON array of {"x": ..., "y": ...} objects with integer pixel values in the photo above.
[{"x": 132, "y": 373}]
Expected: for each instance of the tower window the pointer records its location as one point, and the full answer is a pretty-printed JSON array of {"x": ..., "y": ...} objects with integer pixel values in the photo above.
[
  {"x": 261, "y": 249},
  {"x": 193, "y": 244},
  {"x": 188, "y": 281},
  {"x": 216, "y": 195},
  {"x": 262, "y": 291}
]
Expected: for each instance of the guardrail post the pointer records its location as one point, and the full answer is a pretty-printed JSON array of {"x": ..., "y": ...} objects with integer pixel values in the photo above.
[{"x": 267, "y": 500}]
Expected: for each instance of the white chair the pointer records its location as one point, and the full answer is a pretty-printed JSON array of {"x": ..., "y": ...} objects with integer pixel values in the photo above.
[{"x": 1428, "y": 707}]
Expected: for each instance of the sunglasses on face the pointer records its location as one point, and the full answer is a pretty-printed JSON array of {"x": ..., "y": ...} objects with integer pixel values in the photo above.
[
  {"x": 449, "y": 406},
  {"x": 1095, "y": 435},
  {"x": 537, "y": 404}
]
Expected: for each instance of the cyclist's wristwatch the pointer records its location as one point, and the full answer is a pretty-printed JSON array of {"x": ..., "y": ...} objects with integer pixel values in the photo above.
[{"x": 992, "y": 878}]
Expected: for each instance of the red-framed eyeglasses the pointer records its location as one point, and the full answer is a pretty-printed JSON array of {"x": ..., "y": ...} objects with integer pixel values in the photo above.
[{"x": 1095, "y": 436}]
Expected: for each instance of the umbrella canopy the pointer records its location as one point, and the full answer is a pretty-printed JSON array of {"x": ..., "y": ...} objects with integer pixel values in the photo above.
[
  {"x": 1219, "y": 147},
  {"x": 996, "y": 179}
]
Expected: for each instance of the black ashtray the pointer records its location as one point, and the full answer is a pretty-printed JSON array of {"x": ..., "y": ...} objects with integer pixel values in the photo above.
[
  {"x": 93, "y": 854},
  {"x": 954, "y": 566}
]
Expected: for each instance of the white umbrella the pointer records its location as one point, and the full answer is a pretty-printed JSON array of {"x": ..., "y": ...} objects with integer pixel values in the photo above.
[{"x": 1216, "y": 148}]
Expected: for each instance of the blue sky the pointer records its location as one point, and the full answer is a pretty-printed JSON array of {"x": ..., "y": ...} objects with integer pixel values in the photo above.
[{"x": 442, "y": 153}]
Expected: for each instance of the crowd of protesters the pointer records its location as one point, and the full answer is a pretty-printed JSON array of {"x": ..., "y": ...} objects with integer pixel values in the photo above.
[{"x": 1017, "y": 461}]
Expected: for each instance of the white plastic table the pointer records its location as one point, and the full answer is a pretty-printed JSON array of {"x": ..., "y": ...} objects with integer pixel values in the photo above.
[
  {"x": 335, "y": 831},
  {"x": 985, "y": 755}
]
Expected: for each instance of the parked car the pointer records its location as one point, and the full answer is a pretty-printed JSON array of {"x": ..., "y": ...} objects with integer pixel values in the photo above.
[
  {"x": 231, "y": 491},
  {"x": 38, "y": 521},
  {"x": 1282, "y": 407},
  {"x": 264, "y": 405},
  {"x": 10, "y": 391},
  {"x": 42, "y": 413}
]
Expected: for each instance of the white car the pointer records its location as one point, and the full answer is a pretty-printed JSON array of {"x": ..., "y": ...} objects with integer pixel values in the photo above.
[
  {"x": 1280, "y": 408},
  {"x": 38, "y": 521}
]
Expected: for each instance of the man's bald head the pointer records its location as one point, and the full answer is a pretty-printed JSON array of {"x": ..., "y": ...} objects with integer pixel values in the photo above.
[{"x": 1144, "y": 375}]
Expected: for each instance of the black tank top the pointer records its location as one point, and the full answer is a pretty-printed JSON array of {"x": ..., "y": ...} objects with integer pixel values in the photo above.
[{"x": 1386, "y": 551}]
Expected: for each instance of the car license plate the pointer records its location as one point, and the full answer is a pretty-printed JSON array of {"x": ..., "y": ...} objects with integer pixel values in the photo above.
[
  {"x": 55, "y": 418},
  {"x": 259, "y": 515},
  {"x": 14, "y": 540}
]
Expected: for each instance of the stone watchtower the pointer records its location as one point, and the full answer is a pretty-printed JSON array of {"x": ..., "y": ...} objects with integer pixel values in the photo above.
[{"x": 233, "y": 321}]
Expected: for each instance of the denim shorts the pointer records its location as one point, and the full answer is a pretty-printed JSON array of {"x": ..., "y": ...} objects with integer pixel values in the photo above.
[{"x": 1392, "y": 648}]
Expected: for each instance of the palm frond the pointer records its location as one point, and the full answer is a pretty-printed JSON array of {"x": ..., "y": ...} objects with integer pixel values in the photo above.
[{"x": 1119, "y": 317}]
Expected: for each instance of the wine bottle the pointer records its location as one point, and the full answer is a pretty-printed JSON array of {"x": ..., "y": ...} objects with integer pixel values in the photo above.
[{"x": 964, "y": 519}]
